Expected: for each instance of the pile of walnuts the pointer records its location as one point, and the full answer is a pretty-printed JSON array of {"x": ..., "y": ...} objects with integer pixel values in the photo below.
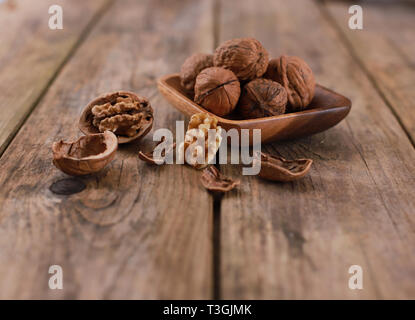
[{"x": 239, "y": 78}]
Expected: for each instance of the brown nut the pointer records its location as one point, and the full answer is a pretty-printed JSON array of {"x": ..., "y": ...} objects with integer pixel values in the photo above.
[
  {"x": 217, "y": 90},
  {"x": 280, "y": 169},
  {"x": 126, "y": 114},
  {"x": 262, "y": 98},
  {"x": 246, "y": 57},
  {"x": 86, "y": 155},
  {"x": 296, "y": 77},
  {"x": 216, "y": 182},
  {"x": 192, "y": 66},
  {"x": 198, "y": 129}
]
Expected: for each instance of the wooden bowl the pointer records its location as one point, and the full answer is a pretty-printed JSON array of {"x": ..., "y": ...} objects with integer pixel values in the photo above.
[{"x": 326, "y": 110}]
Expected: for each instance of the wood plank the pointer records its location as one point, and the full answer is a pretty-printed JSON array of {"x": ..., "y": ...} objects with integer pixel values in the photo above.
[
  {"x": 385, "y": 48},
  {"x": 137, "y": 231},
  {"x": 356, "y": 206},
  {"x": 31, "y": 54}
]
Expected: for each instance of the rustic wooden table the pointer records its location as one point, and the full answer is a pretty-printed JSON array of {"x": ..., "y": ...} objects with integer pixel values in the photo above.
[{"x": 143, "y": 232}]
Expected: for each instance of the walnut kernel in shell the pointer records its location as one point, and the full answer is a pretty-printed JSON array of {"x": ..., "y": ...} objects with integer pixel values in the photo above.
[
  {"x": 246, "y": 57},
  {"x": 217, "y": 90},
  {"x": 126, "y": 114},
  {"x": 262, "y": 98}
]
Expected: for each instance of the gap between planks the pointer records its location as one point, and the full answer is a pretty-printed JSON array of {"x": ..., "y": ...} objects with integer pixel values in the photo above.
[
  {"x": 84, "y": 34},
  {"x": 322, "y": 5},
  {"x": 217, "y": 200}
]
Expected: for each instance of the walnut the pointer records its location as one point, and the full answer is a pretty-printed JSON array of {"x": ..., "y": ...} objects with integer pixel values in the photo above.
[
  {"x": 296, "y": 77},
  {"x": 192, "y": 66},
  {"x": 262, "y": 98},
  {"x": 126, "y": 114},
  {"x": 280, "y": 169},
  {"x": 199, "y": 156},
  {"x": 86, "y": 155},
  {"x": 216, "y": 182},
  {"x": 246, "y": 57},
  {"x": 217, "y": 90}
]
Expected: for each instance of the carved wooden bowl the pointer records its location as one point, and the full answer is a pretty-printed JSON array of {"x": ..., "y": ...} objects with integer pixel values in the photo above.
[{"x": 326, "y": 110}]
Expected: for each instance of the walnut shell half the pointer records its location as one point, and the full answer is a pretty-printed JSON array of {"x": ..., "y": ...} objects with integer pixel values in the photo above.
[
  {"x": 127, "y": 115},
  {"x": 280, "y": 169},
  {"x": 86, "y": 155}
]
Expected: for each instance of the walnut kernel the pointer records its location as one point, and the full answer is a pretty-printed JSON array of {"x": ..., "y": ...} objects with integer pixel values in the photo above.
[{"x": 199, "y": 126}]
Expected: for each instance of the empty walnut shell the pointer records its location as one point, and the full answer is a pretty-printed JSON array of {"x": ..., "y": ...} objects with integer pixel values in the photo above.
[
  {"x": 86, "y": 155},
  {"x": 280, "y": 169},
  {"x": 192, "y": 66},
  {"x": 296, "y": 77},
  {"x": 126, "y": 114},
  {"x": 246, "y": 57},
  {"x": 262, "y": 98},
  {"x": 217, "y": 90}
]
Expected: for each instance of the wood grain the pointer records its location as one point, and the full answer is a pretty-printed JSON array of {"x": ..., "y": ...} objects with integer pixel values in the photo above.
[
  {"x": 385, "y": 49},
  {"x": 298, "y": 240},
  {"x": 31, "y": 54},
  {"x": 136, "y": 231}
]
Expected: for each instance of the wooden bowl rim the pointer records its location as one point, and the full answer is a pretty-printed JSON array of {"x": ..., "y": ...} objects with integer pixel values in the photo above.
[{"x": 162, "y": 81}]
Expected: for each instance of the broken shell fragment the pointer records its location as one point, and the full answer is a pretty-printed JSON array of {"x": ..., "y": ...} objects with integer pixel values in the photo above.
[
  {"x": 280, "y": 169},
  {"x": 151, "y": 159},
  {"x": 86, "y": 155},
  {"x": 214, "y": 181}
]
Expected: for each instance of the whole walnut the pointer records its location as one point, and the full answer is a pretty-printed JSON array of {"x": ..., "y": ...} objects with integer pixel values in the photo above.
[
  {"x": 262, "y": 98},
  {"x": 246, "y": 57},
  {"x": 217, "y": 90},
  {"x": 294, "y": 74},
  {"x": 192, "y": 67}
]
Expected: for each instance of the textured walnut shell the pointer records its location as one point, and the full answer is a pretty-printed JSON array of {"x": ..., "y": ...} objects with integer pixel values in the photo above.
[
  {"x": 246, "y": 57},
  {"x": 280, "y": 169},
  {"x": 86, "y": 155},
  {"x": 214, "y": 181},
  {"x": 126, "y": 114},
  {"x": 262, "y": 98},
  {"x": 217, "y": 90},
  {"x": 192, "y": 66},
  {"x": 296, "y": 77}
]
